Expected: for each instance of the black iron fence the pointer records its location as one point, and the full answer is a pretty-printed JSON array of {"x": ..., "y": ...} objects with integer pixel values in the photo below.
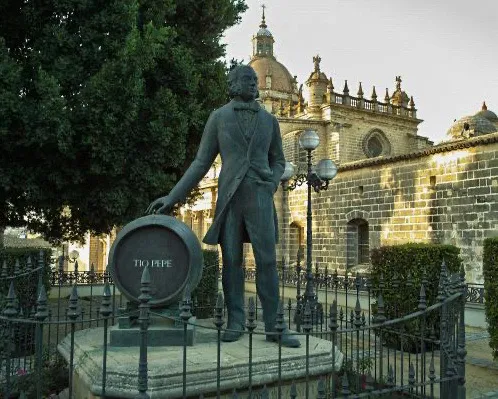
[
  {"x": 370, "y": 347},
  {"x": 329, "y": 281}
]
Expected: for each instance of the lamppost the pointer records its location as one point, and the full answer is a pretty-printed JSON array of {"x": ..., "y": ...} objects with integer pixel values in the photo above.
[
  {"x": 284, "y": 181},
  {"x": 317, "y": 180},
  {"x": 70, "y": 257}
]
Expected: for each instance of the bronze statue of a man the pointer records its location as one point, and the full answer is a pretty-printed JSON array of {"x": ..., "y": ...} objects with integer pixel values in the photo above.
[{"x": 247, "y": 137}]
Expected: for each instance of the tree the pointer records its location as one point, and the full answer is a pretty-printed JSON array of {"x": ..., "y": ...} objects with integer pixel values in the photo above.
[{"x": 102, "y": 105}]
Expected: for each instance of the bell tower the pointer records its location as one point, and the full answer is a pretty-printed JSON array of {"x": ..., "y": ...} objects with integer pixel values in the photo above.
[{"x": 262, "y": 42}]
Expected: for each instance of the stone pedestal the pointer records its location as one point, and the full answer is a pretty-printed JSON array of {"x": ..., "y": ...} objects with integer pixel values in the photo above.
[
  {"x": 160, "y": 334},
  {"x": 165, "y": 365}
]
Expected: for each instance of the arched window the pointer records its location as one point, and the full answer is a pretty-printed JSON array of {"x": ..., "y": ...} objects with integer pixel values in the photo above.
[
  {"x": 296, "y": 240},
  {"x": 357, "y": 242},
  {"x": 300, "y": 159}
]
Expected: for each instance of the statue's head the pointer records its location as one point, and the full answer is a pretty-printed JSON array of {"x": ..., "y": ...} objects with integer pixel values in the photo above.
[{"x": 243, "y": 83}]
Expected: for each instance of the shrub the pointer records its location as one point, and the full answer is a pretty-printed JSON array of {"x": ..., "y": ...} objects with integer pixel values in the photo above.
[
  {"x": 54, "y": 378},
  {"x": 204, "y": 295},
  {"x": 490, "y": 270},
  {"x": 409, "y": 264}
]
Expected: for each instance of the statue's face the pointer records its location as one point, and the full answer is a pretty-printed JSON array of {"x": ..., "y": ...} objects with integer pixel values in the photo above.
[{"x": 248, "y": 82}]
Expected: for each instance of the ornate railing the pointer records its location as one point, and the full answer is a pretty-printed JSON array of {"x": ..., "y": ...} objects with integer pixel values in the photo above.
[
  {"x": 364, "y": 352},
  {"x": 64, "y": 278},
  {"x": 474, "y": 293},
  {"x": 373, "y": 106}
]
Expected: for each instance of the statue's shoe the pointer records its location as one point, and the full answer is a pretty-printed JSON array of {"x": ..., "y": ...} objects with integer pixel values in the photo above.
[
  {"x": 288, "y": 340},
  {"x": 232, "y": 333}
]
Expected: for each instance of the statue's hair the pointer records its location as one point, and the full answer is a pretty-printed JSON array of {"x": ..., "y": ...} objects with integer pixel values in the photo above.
[{"x": 233, "y": 80}]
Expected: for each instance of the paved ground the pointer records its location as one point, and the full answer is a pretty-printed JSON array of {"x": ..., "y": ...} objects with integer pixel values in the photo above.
[{"x": 481, "y": 370}]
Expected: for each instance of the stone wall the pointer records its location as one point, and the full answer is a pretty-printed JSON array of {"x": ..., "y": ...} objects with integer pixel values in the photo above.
[{"x": 443, "y": 194}]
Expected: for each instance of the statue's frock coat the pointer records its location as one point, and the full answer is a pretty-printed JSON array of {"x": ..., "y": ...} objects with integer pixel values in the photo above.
[{"x": 223, "y": 135}]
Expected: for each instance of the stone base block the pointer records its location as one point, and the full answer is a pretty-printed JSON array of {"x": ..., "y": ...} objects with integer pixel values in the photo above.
[
  {"x": 165, "y": 366},
  {"x": 157, "y": 335}
]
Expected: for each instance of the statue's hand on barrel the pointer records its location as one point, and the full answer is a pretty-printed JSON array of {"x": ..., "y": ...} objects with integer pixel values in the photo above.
[{"x": 161, "y": 205}]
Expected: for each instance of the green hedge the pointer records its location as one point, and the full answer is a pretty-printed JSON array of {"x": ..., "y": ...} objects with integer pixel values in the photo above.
[
  {"x": 490, "y": 270},
  {"x": 406, "y": 264},
  {"x": 204, "y": 296}
]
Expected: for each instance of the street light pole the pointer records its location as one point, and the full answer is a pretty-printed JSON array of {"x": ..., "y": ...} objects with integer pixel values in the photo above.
[
  {"x": 284, "y": 181},
  {"x": 309, "y": 293},
  {"x": 326, "y": 170}
]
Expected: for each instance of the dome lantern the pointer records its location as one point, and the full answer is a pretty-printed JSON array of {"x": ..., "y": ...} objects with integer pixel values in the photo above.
[{"x": 263, "y": 40}]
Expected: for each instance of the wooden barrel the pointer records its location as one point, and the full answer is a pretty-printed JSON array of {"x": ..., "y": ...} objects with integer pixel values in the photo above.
[{"x": 170, "y": 249}]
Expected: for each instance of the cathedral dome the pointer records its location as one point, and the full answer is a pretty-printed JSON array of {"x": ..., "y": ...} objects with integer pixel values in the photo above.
[
  {"x": 263, "y": 31},
  {"x": 486, "y": 113},
  {"x": 281, "y": 79},
  {"x": 475, "y": 125}
]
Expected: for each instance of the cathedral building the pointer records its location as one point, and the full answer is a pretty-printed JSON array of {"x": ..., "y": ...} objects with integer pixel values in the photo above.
[{"x": 393, "y": 186}]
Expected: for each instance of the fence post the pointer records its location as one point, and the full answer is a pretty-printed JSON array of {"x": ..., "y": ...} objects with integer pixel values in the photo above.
[
  {"x": 73, "y": 313},
  {"x": 333, "y": 328},
  {"x": 218, "y": 322},
  {"x": 40, "y": 316},
  {"x": 143, "y": 319},
  {"x": 105, "y": 311},
  {"x": 10, "y": 312},
  {"x": 443, "y": 367},
  {"x": 251, "y": 325},
  {"x": 461, "y": 351},
  {"x": 185, "y": 315}
]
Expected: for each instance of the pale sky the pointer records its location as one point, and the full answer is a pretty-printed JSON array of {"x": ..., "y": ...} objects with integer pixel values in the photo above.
[{"x": 446, "y": 51}]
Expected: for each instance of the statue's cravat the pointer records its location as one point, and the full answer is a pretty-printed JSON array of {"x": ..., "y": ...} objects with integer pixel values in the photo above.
[{"x": 246, "y": 114}]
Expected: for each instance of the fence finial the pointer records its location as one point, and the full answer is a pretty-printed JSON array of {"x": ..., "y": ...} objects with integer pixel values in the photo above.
[
  {"x": 345, "y": 385},
  {"x": 185, "y": 309},
  {"x": 218, "y": 311},
  {"x": 357, "y": 311},
  {"x": 380, "y": 317},
  {"x": 422, "y": 303},
  {"x": 321, "y": 389},
  {"x": 105, "y": 306},
  {"x": 264, "y": 393},
  {"x": 411, "y": 374},
  {"x": 17, "y": 267},
  {"x": 441, "y": 296},
  {"x": 41, "y": 305},
  {"x": 390, "y": 376},
  {"x": 73, "y": 308},
  {"x": 4, "y": 273},
  {"x": 251, "y": 315},
  {"x": 333, "y": 316},
  {"x": 10, "y": 306},
  {"x": 293, "y": 391},
  {"x": 280, "y": 322}
]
